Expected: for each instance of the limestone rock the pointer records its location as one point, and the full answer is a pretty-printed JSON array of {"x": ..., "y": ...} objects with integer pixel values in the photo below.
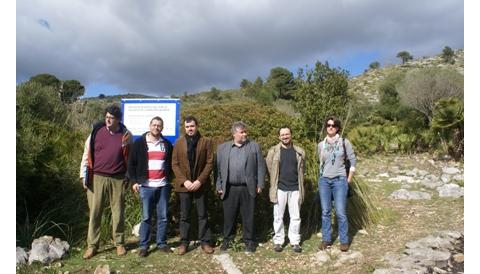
[
  {"x": 403, "y": 194},
  {"x": 352, "y": 257},
  {"x": 102, "y": 269},
  {"x": 450, "y": 170},
  {"x": 432, "y": 182},
  {"x": 459, "y": 258},
  {"x": 22, "y": 256},
  {"x": 458, "y": 177},
  {"x": 402, "y": 178},
  {"x": 322, "y": 257},
  {"x": 450, "y": 190},
  {"x": 445, "y": 178},
  {"x": 428, "y": 256},
  {"x": 46, "y": 249},
  {"x": 430, "y": 242}
]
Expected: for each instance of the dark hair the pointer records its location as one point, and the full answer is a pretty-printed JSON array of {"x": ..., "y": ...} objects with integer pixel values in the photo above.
[
  {"x": 336, "y": 122},
  {"x": 284, "y": 126},
  {"x": 156, "y": 118},
  {"x": 114, "y": 110},
  {"x": 190, "y": 118}
]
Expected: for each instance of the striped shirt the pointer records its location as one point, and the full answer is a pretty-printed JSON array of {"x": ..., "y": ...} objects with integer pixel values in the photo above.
[{"x": 156, "y": 164}]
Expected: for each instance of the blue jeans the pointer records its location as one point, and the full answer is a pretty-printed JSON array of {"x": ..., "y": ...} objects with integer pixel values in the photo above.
[
  {"x": 154, "y": 198},
  {"x": 337, "y": 186}
]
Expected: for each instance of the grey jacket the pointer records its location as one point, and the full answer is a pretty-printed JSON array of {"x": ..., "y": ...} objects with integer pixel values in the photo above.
[
  {"x": 273, "y": 164},
  {"x": 254, "y": 167}
]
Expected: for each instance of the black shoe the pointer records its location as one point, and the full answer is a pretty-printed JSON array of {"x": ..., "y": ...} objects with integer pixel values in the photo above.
[
  {"x": 278, "y": 248},
  {"x": 250, "y": 248},
  {"x": 297, "y": 248},
  {"x": 143, "y": 252},
  {"x": 225, "y": 246}
]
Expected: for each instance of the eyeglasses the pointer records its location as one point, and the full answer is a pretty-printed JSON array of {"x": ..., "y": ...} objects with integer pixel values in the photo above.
[
  {"x": 110, "y": 117},
  {"x": 330, "y": 125}
]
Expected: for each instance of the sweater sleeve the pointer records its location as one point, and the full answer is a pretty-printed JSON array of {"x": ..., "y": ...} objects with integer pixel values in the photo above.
[
  {"x": 179, "y": 176},
  {"x": 205, "y": 173},
  {"x": 84, "y": 162},
  {"x": 132, "y": 164},
  {"x": 350, "y": 154},
  {"x": 261, "y": 168},
  {"x": 218, "y": 183}
]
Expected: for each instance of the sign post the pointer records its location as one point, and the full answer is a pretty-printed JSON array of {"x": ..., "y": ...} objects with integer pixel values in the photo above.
[{"x": 137, "y": 114}]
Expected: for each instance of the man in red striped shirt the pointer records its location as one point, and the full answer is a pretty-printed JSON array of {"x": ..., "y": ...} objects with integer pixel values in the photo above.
[{"x": 149, "y": 168}]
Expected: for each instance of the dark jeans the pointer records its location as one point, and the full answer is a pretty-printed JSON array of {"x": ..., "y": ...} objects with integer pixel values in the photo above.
[
  {"x": 237, "y": 198},
  {"x": 186, "y": 199}
]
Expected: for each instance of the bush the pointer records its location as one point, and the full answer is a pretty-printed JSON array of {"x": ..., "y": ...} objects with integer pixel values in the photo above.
[
  {"x": 423, "y": 88},
  {"x": 383, "y": 138},
  {"x": 447, "y": 126},
  {"x": 321, "y": 92},
  {"x": 47, "y": 163}
]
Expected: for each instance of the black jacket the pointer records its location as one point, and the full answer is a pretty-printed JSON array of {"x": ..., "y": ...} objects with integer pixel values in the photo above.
[{"x": 138, "y": 160}]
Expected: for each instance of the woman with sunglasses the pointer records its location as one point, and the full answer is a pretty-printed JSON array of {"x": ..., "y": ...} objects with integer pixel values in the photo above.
[{"x": 333, "y": 182}]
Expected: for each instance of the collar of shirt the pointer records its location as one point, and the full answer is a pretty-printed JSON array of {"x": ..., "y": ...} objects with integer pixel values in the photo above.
[
  {"x": 152, "y": 140},
  {"x": 244, "y": 144},
  {"x": 112, "y": 132}
]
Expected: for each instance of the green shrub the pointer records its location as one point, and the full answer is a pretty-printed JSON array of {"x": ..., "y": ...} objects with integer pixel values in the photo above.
[
  {"x": 390, "y": 137},
  {"x": 47, "y": 160},
  {"x": 447, "y": 126}
]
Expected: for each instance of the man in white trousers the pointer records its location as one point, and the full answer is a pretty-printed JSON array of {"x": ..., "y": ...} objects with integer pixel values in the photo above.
[{"x": 285, "y": 163}]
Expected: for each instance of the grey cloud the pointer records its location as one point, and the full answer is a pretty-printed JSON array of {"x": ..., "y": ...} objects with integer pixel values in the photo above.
[{"x": 167, "y": 47}]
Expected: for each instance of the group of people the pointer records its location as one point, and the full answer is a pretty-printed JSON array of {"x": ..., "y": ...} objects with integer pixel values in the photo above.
[{"x": 112, "y": 162}]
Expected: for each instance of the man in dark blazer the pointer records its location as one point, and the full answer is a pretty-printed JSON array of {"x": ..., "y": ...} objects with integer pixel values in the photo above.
[{"x": 240, "y": 177}]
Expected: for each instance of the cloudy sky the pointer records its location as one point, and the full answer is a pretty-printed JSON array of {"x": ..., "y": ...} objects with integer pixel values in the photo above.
[{"x": 160, "y": 47}]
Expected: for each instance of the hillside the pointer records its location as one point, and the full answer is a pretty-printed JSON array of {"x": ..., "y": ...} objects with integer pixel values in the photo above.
[{"x": 365, "y": 87}]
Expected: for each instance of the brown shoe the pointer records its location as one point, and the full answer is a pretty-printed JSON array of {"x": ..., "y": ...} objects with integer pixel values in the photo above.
[
  {"x": 121, "y": 250},
  {"x": 182, "y": 249},
  {"x": 344, "y": 247},
  {"x": 325, "y": 245},
  {"x": 143, "y": 252},
  {"x": 89, "y": 253},
  {"x": 207, "y": 248},
  {"x": 165, "y": 249}
]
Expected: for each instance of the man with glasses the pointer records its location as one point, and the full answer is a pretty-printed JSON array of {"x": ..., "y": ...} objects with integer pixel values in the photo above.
[
  {"x": 285, "y": 163},
  {"x": 103, "y": 174},
  {"x": 149, "y": 169}
]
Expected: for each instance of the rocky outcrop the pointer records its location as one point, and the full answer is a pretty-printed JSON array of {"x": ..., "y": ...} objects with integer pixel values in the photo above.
[
  {"x": 47, "y": 249},
  {"x": 441, "y": 253},
  {"x": 444, "y": 182}
]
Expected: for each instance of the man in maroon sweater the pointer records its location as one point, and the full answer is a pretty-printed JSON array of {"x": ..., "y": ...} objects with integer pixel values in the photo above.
[{"x": 102, "y": 173}]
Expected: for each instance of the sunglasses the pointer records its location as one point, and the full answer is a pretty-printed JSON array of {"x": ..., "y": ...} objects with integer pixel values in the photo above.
[{"x": 330, "y": 125}]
